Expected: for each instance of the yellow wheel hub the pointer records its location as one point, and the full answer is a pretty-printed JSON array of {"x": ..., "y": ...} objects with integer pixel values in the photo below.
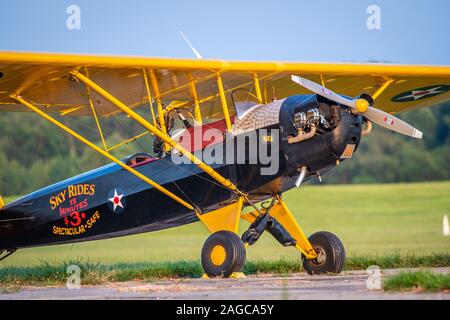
[{"x": 218, "y": 255}]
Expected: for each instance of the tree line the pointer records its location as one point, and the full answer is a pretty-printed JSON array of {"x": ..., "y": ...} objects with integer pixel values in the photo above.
[{"x": 35, "y": 153}]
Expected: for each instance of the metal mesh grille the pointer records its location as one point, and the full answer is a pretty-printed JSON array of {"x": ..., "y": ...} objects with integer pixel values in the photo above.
[{"x": 260, "y": 117}]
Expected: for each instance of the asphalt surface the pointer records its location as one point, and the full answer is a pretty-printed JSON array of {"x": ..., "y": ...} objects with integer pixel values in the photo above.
[{"x": 299, "y": 286}]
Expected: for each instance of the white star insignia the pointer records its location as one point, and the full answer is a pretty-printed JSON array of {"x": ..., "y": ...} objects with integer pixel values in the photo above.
[
  {"x": 116, "y": 200},
  {"x": 419, "y": 94}
]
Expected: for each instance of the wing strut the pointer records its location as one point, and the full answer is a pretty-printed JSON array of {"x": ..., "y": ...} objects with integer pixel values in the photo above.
[
  {"x": 257, "y": 87},
  {"x": 386, "y": 84},
  {"x": 94, "y": 113},
  {"x": 158, "y": 133},
  {"x": 193, "y": 89},
  {"x": 223, "y": 99},
  {"x": 102, "y": 152},
  {"x": 158, "y": 103},
  {"x": 149, "y": 96}
]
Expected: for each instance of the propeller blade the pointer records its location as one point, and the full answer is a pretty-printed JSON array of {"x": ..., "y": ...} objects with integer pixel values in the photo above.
[
  {"x": 390, "y": 122},
  {"x": 362, "y": 105},
  {"x": 324, "y": 92}
]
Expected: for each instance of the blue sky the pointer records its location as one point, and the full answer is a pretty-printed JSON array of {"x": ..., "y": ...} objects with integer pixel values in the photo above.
[{"x": 414, "y": 31}]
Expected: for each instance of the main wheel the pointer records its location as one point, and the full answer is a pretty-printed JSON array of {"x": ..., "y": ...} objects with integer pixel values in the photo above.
[
  {"x": 222, "y": 254},
  {"x": 330, "y": 254}
]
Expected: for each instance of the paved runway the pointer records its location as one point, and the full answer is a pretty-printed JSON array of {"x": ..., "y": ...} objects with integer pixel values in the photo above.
[{"x": 348, "y": 285}]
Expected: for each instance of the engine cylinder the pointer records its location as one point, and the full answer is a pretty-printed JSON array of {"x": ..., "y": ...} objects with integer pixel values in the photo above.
[{"x": 336, "y": 128}]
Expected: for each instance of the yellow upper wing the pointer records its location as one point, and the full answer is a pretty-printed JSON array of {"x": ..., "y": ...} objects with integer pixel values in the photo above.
[{"x": 45, "y": 79}]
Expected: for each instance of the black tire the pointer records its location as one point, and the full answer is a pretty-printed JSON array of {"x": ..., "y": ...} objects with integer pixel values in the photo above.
[
  {"x": 233, "y": 248},
  {"x": 331, "y": 253}
]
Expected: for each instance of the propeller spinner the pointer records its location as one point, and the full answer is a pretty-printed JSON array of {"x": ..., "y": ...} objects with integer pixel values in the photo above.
[{"x": 362, "y": 105}]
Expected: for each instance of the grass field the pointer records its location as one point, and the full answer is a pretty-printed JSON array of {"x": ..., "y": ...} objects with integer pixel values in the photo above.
[
  {"x": 370, "y": 220},
  {"x": 97, "y": 273},
  {"x": 422, "y": 280}
]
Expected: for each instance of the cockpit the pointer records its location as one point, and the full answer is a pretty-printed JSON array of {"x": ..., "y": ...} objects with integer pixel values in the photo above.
[{"x": 139, "y": 159}]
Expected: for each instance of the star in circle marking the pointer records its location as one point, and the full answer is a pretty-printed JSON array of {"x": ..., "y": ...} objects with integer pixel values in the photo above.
[
  {"x": 420, "y": 94},
  {"x": 116, "y": 200}
]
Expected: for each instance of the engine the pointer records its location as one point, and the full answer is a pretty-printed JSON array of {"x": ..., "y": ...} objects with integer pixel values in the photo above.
[
  {"x": 321, "y": 115},
  {"x": 315, "y": 132}
]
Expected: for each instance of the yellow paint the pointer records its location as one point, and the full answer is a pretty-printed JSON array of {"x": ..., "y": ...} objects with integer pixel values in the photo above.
[
  {"x": 218, "y": 255},
  {"x": 2, "y": 203},
  {"x": 69, "y": 111},
  {"x": 108, "y": 61},
  {"x": 117, "y": 72},
  {"x": 164, "y": 137},
  {"x": 174, "y": 105},
  {"x": 101, "y": 151},
  {"x": 149, "y": 97},
  {"x": 43, "y": 71},
  {"x": 95, "y": 113},
  {"x": 159, "y": 106},
  {"x": 268, "y": 139},
  {"x": 282, "y": 214},
  {"x": 257, "y": 87},
  {"x": 187, "y": 85},
  {"x": 234, "y": 275},
  {"x": 348, "y": 152},
  {"x": 382, "y": 88},
  {"x": 225, "y": 218},
  {"x": 237, "y": 275},
  {"x": 250, "y": 217},
  {"x": 120, "y": 144},
  {"x": 322, "y": 81},
  {"x": 197, "y": 111},
  {"x": 211, "y": 97},
  {"x": 362, "y": 105},
  {"x": 223, "y": 100}
]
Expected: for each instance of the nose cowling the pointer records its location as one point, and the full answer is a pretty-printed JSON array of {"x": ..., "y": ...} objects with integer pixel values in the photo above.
[{"x": 337, "y": 131}]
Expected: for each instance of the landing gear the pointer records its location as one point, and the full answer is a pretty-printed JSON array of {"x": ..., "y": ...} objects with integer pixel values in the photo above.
[
  {"x": 322, "y": 252},
  {"x": 223, "y": 254},
  {"x": 330, "y": 254}
]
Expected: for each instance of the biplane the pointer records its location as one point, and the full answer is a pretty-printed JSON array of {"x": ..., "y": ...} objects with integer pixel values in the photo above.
[{"x": 309, "y": 116}]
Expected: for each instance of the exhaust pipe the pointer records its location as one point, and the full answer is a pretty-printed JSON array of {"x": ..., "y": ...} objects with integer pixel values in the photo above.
[
  {"x": 368, "y": 130},
  {"x": 302, "y": 136},
  {"x": 301, "y": 176}
]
